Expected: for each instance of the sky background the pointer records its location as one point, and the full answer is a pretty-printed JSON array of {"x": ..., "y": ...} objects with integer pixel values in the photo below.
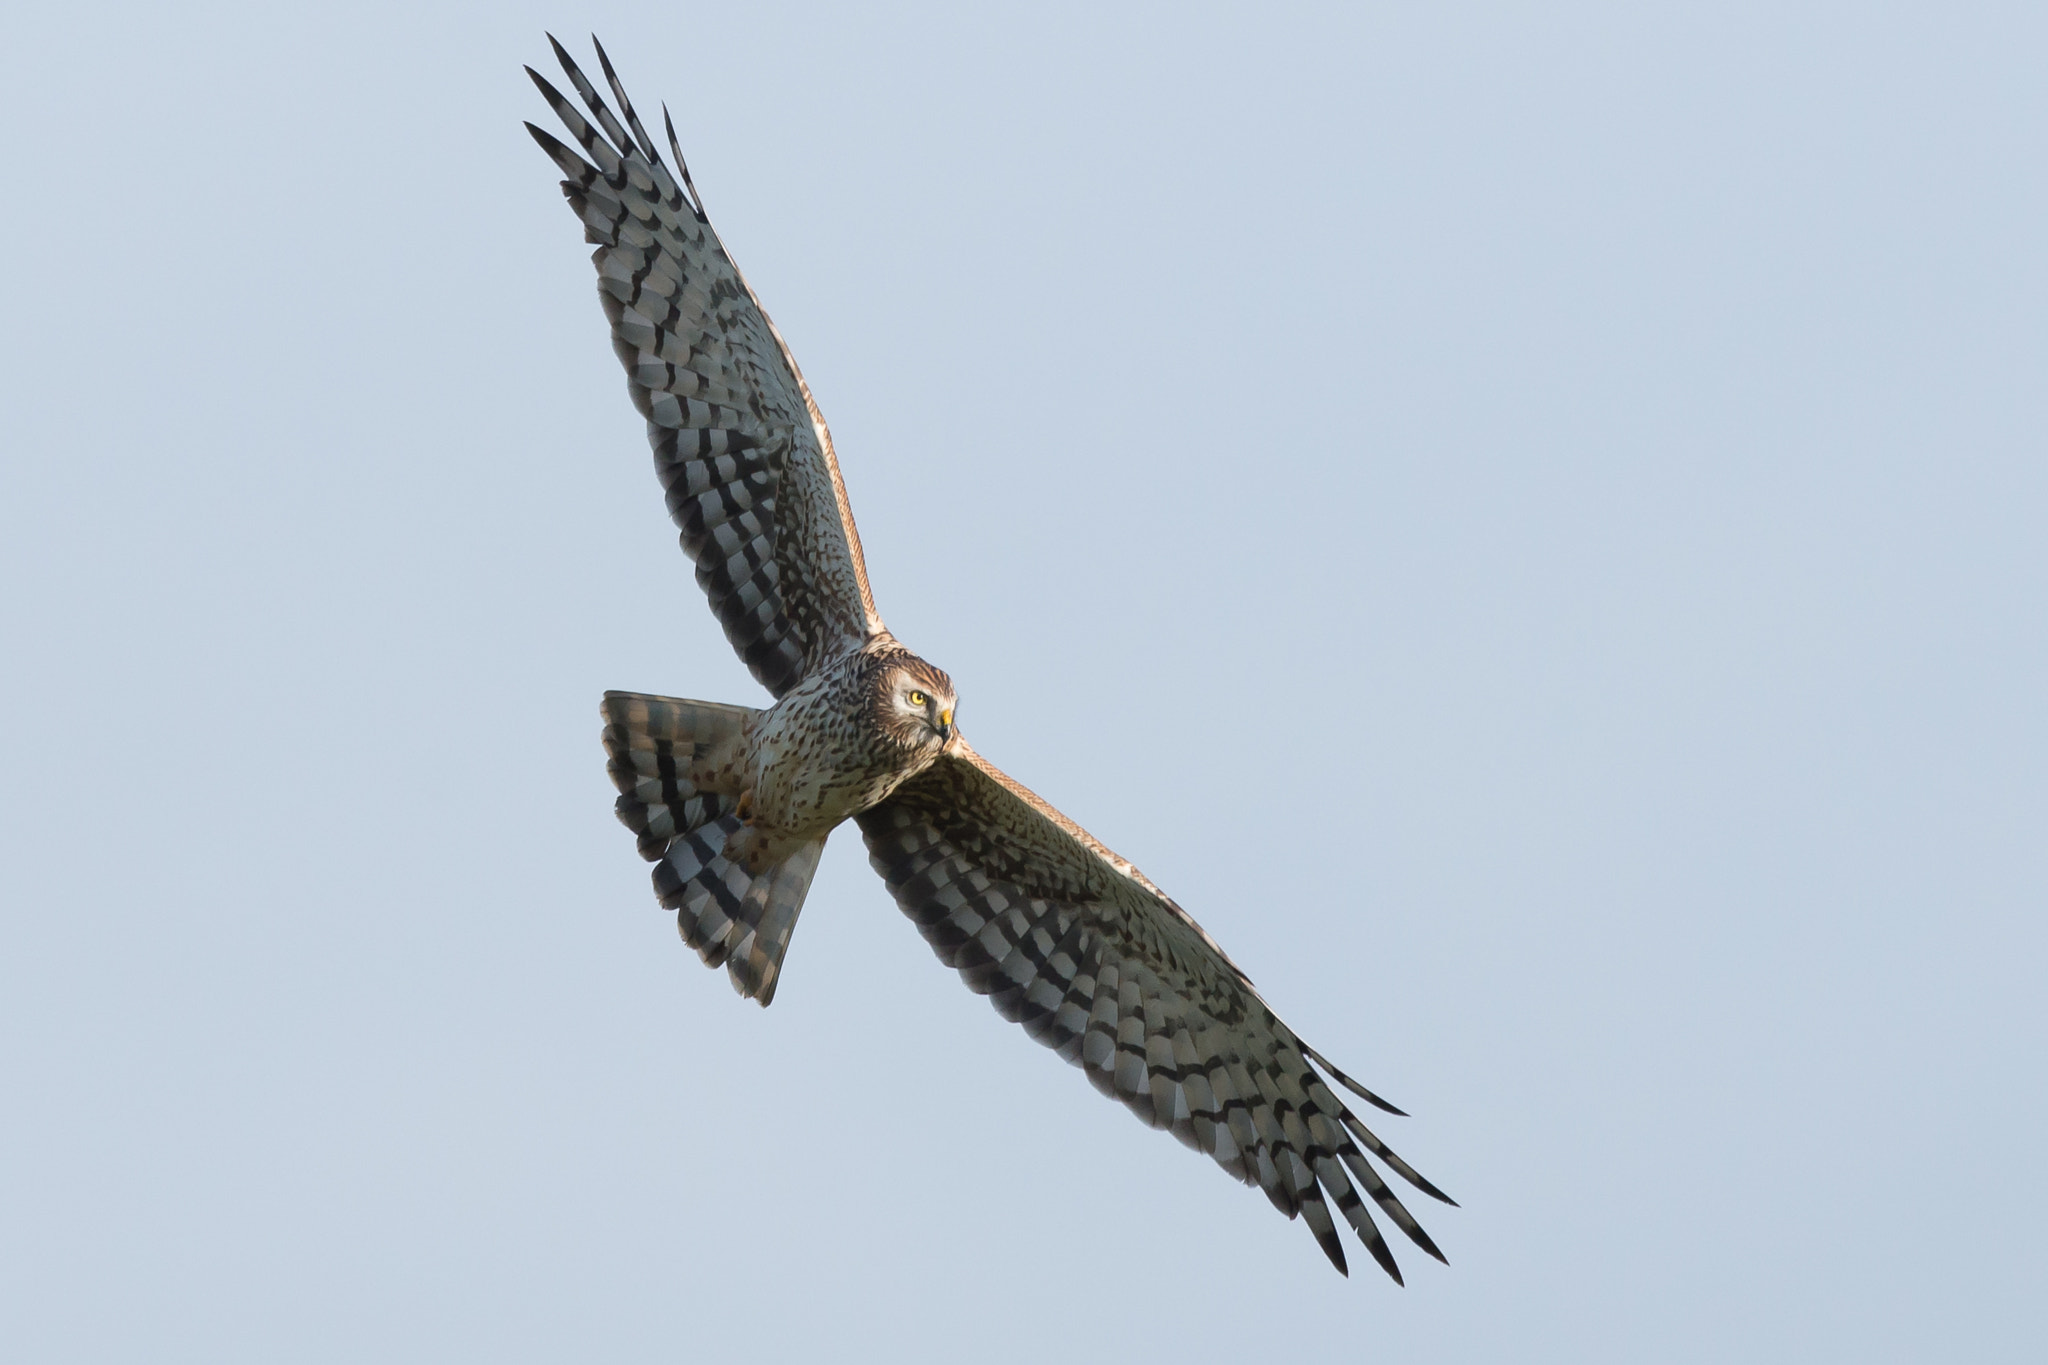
[{"x": 1526, "y": 519}]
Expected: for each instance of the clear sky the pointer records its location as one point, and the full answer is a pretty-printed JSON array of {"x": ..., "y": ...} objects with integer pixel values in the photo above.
[{"x": 1526, "y": 519}]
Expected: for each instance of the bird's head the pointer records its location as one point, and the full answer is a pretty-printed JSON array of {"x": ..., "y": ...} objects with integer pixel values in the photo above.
[{"x": 915, "y": 702}]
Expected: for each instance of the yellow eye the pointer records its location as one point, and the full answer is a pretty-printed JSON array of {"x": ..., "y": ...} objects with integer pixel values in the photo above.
[{"x": 917, "y": 699}]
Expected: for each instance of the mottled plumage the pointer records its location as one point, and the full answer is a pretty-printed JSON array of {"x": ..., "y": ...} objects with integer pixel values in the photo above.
[{"x": 733, "y": 805}]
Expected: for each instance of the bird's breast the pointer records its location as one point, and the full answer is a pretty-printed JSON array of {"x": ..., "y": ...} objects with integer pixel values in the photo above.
[{"x": 817, "y": 759}]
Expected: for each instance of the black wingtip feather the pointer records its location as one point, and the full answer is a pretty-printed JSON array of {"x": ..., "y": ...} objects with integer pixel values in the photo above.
[
  {"x": 682, "y": 165},
  {"x": 605, "y": 62},
  {"x": 620, "y": 138},
  {"x": 1324, "y": 1228},
  {"x": 626, "y": 110},
  {"x": 555, "y": 98},
  {"x": 1353, "y": 1086}
]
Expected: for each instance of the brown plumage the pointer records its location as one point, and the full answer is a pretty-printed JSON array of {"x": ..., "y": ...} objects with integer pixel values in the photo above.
[{"x": 733, "y": 805}]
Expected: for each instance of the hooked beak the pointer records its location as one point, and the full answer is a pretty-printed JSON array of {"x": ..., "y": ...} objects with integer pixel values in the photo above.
[{"x": 946, "y": 725}]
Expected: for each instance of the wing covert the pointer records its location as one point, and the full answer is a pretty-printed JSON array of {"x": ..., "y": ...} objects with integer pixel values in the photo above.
[
  {"x": 744, "y": 456},
  {"x": 1094, "y": 961}
]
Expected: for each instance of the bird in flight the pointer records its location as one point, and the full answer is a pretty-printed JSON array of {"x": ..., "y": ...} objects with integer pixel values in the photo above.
[{"x": 733, "y": 804}]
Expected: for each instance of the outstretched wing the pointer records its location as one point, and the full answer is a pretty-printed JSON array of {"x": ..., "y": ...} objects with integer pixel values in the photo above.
[
  {"x": 740, "y": 446},
  {"x": 1096, "y": 962}
]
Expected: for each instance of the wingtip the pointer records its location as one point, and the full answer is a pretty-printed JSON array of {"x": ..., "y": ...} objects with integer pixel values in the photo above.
[
  {"x": 1332, "y": 1247},
  {"x": 668, "y": 123},
  {"x": 546, "y": 88},
  {"x": 558, "y": 152},
  {"x": 1384, "y": 1106},
  {"x": 1353, "y": 1086},
  {"x": 1381, "y": 1252},
  {"x": 1427, "y": 1243},
  {"x": 549, "y": 143}
]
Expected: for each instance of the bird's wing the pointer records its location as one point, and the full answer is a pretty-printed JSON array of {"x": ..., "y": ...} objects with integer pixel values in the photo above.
[
  {"x": 1097, "y": 963},
  {"x": 739, "y": 444}
]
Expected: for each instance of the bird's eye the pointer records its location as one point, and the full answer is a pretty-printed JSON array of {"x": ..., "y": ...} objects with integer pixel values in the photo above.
[{"x": 917, "y": 699}]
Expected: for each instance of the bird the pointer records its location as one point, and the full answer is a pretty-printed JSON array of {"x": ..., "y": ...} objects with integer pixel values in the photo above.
[{"x": 733, "y": 804}]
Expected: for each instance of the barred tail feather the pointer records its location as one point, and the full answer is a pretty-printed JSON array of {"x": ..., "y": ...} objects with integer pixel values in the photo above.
[
  {"x": 652, "y": 742},
  {"x": 729, "y": 915}
]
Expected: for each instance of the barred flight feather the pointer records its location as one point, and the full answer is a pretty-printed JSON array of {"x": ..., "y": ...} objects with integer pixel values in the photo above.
[
  {"x": 743, "y": 454},
  {"x": 1072, "y": 942}
]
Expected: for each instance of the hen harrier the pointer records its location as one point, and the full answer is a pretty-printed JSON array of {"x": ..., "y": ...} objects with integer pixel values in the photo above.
[{"x": 733, "y": 805}]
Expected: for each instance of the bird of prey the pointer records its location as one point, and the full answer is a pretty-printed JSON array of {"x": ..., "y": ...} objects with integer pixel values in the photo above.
[{"x": 733, "y": 804}]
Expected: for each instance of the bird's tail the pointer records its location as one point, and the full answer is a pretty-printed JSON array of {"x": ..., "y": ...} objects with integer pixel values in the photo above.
[{"x": 726, "y": 913}]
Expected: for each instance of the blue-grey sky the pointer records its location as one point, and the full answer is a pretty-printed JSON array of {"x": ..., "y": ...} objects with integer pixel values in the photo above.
[{"x": 1526, "y": 519}]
